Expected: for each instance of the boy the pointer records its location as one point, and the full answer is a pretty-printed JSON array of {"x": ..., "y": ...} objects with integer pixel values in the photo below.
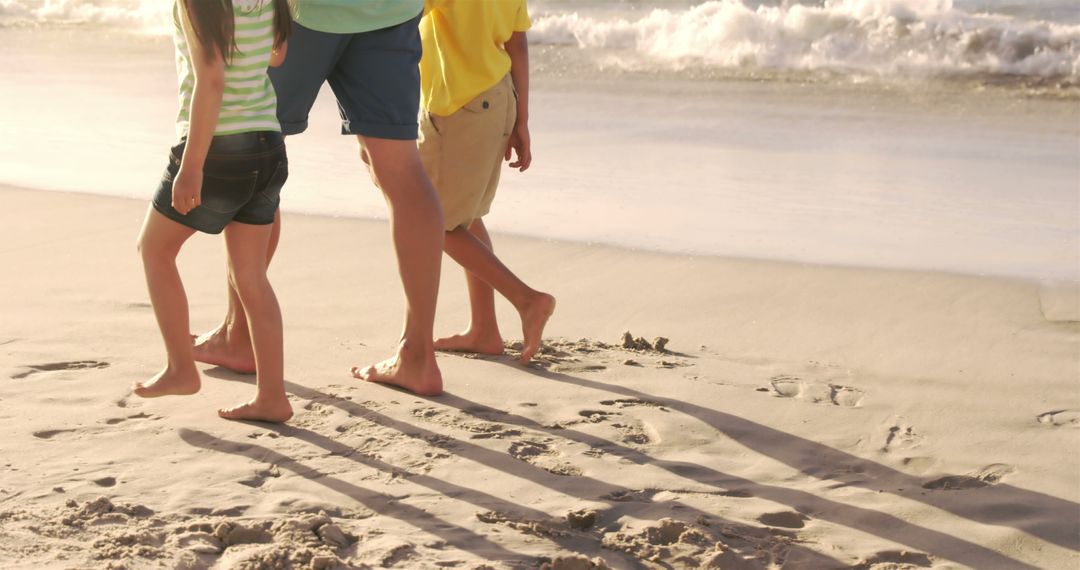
[{"x": 475, "y": 113}]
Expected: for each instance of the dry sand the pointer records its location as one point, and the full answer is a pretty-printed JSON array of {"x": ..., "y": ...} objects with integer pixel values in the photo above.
[{"x": 800, "y": 416}]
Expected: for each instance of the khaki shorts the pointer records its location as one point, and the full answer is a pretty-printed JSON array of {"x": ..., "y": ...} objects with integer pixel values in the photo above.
[{"x": 463, "y": 153}]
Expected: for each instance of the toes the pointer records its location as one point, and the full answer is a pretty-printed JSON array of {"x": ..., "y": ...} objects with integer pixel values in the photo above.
[{"x": 373, "y": 374}]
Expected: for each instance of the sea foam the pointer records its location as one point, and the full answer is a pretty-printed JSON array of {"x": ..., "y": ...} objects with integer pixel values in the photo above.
[
  {"x": 885, "y": 37},
  {"x": 877, "y": 37},
  {"x": 145, "y": 15}
]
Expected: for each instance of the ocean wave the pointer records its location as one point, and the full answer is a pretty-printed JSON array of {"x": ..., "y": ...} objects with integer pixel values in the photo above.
[
  {"x": 883, "y": 37},
  {"x": 886, "y": 38},
  {"x": 144, "y": 15}
]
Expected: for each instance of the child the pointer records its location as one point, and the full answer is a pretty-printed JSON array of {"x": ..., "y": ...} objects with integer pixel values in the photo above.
[
  {"x": 475, "y": 113},
  {"x": 225, "y": 174}
]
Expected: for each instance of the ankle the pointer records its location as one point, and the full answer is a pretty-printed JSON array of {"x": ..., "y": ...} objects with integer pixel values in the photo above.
[
  {"x": 234, "y": 332},
  {"x": 181, "y": 367},
  {"x": 483, "y": 332},
  {"x": 265, "y": 400},
  {"x": 415, "y": 350}
]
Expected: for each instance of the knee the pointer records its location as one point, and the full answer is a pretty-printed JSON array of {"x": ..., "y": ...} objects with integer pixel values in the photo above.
[
  {"x": 365, "y": 157},
  {"x": 250, "y": 284},
  {"x": 392, "y": 163},
  {"x": 153, "y": 253}
]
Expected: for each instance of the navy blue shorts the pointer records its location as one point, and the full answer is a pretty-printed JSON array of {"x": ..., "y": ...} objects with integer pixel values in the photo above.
[
  {"x": 242, "y": 180},
  {"x": 375, "y": 76}
]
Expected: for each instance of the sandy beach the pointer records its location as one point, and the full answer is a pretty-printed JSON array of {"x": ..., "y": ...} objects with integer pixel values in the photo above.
[{"x": 800, "y": 416}]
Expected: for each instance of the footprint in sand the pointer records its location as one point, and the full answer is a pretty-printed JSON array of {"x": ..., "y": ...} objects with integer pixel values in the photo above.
[
  {"x": 577, "y": 367},
  {"x": 561, "y": 356},
  {"x": 845, "y": 396},
  {"x": 139, "y": 416},
  {"x": 50, "y": 433},
  {"x": 895, "y": 559},
  {"x": 260, "y": 477},
  {"x": 632, "y": 496},
  {"x": 478, "y": 428},
  {"x": 525, "y": 450},
  {"x": 632, "y": 431},
  {"x": 632, "y": 402},
  {"x": 786, "y": 519},
  {"x": 900, "y": 436},
  {"x": 636, "y": 433},
  {"x": 1058, "y": 418},
  {"x": 595, "y": 416},
  {"x": 985, "y": 477},
  {"x": 786, "y": 386},
  {"x": 540, "y": 454},
  {"x": 832, "y": 394},
  {"x": 543, "y": 528},
  {"x": 57, "y": 366}
]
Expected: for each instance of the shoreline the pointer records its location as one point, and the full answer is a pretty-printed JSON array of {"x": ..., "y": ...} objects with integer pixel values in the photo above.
[
  {"x": 908, "y": 178},
  {"x": 1051, "y": 283}
]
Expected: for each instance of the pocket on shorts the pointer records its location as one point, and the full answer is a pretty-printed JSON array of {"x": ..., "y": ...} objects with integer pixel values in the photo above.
[
  {"x": 428, "y": 124},
  {"x": 271, "y": 193},
  {"x": 227, "y": 194},
  {"x": 488, "y": 101}
]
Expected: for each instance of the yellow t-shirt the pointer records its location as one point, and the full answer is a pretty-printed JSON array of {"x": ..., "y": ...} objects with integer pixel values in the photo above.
[{"x": 463, "y": 49}]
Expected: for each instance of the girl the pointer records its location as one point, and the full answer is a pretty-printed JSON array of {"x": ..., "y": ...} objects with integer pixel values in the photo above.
[{"x": 225, "y": 174}]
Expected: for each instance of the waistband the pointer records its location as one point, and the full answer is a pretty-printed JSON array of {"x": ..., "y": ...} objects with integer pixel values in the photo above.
[{"x": 240, "y": 145}]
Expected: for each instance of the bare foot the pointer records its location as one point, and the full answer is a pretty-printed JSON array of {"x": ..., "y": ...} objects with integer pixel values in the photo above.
[
  {"x": 533, "y": 319},
  {"x": 276, "y": 411},
  {"x": 479, "y": 342},
  {"x": 219, "y": 348},
  {"x": 169, "y": 382},
  {"x": 415, "y": 371}
]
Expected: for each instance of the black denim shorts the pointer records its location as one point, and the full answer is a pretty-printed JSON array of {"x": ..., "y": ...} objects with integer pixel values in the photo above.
[{"x": 242, "y": 180}]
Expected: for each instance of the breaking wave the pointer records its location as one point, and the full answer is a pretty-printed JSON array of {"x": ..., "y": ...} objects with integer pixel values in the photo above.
[{"x": 883, "y": 37}]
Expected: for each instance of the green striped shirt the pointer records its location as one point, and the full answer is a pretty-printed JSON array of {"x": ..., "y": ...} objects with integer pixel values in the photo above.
[
  {"x": 354, "y": 16},
  {"x": 249, "y": 103}
]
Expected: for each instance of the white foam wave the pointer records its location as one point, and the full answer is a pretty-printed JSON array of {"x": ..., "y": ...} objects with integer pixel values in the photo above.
[
  {"x": 145, "y": 15},
  {"x": 886, "y": 37}
]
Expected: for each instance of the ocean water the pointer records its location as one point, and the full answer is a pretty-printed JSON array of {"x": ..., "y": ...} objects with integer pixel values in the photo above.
[
  {"x": 923, "y": 134},
  {"x": 943, "y": 38}
]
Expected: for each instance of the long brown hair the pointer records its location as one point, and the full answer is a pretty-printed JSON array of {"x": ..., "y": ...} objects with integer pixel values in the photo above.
[{"x": 214, "y": 25}]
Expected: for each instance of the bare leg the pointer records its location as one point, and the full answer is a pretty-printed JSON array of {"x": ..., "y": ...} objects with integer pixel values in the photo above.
[
  {"x": 416, "y": 226},
  {"x": 482, "y": 336},
  {"x": 534, "y": 307},
  {"x": 229, "y": 345},
  {"x": 248, "y": 247},
  {"x": 159, "y": 243}
]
